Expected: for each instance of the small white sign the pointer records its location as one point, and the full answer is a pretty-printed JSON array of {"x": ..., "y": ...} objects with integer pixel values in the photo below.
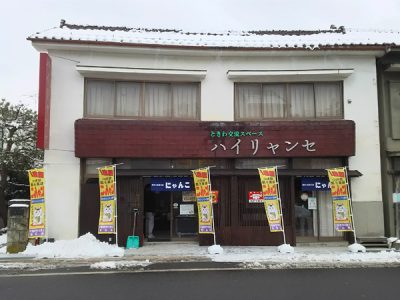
[
  {"x": 186, "y": 209},
  {"x": 188, "y": 196},
  {"x": 396, "y": 197},
  {"x": 312, "y": 203}
]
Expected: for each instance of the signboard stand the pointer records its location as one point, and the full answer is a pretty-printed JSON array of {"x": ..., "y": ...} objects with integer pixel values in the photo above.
[
  {"x": 116, "y": 205},
  {"x": 280, "y": 205},
  {"x": 351, "y": 206},
  {"x": 212, "y": 207},
  {"x": 342, "y": 205},
  {"x": 272, "y": 199},
  {"x": 112, "y": 197},
  {"x": 202, "y": 182}
]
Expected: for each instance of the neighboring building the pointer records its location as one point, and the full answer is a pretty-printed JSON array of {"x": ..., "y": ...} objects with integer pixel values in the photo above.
[
  {"x": 164, "y": 102},
  {"x": 389, "y": 100}
]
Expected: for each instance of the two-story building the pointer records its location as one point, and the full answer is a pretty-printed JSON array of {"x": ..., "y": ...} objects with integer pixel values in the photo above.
[{"x": 160, "y": 103}]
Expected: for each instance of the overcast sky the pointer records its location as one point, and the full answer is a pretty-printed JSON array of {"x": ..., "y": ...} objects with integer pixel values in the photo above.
[{"x": 20, "y": 18}]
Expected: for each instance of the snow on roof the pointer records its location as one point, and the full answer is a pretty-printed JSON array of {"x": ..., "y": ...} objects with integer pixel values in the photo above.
[{"x": 335, "y": 37}]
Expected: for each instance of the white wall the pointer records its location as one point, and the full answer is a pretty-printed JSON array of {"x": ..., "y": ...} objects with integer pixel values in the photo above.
[
  {"x": 61, "y": 166},
  {"x": 217, "y": 94}
]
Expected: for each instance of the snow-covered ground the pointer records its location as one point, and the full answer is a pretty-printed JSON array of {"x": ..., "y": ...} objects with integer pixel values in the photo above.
[
  {"x": 86, "y": 246},
  {"x": 88, "y": 251}
]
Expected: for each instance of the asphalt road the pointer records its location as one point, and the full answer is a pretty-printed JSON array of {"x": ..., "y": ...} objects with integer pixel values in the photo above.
[{"x": 371, "y": 283}]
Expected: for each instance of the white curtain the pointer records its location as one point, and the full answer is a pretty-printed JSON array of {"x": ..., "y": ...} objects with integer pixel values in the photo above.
[
  {"x": 301, "y": 101},
  {"x": 274, "y": 101},
  {"x": 157, "y": 100},
  {"x": 100, "y": 98},
  {"x": 128, "y": 99},
  {"x": 328, "y": 99},
  {"x": 184, "y": 99},
  {"x": 325, "y": 215},
  {"x": 249, "y": 101}
]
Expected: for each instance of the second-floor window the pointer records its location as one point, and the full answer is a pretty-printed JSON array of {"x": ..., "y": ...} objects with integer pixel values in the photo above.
[
  {"x": 142, "y": 100},
  {"x": 257, "y": 101}
]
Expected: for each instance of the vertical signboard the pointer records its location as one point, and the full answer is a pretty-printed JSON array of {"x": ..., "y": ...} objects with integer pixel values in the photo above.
[
  {"x": 342, "y": 212},
  {"x": 107, "y": 200},
  {"x": 203, "y": 197},
  {"x": 37, "y": 214},
  {"x": 270, "y": 191}
]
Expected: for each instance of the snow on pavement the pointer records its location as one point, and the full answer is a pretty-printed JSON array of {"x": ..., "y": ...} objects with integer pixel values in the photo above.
[
  {"x": 305, "y": 256},
  {"x": 256, "y": 256},
  {"x": 104, "y": 265},
  {"x": 86, "y": 246}
]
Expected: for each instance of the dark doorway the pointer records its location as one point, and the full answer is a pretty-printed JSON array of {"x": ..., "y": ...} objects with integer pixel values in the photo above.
[{"x": 169, "y": 215}]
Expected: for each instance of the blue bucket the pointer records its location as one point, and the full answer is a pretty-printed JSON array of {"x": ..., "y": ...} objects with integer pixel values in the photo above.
[{"x": 132, "y": 242}]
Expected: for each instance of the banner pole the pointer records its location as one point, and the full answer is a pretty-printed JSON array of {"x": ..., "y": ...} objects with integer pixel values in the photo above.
[
  {"x": 212, "y": 207},
  {"x": 46, "y": 226},
  {"x": 351, "y": 205},
  {"x": 116, "y": 204},
  {"x": 280, "y": 205}
]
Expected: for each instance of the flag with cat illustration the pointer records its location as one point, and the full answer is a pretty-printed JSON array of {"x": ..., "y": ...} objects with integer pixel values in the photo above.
[
  {"x": 341, "y": 208},
  {"x": 37, "y": 213},
  {"x": 271, "y": 197},
  {"x": 107, "y": 200},
  {"x": 202, "y": 185}
]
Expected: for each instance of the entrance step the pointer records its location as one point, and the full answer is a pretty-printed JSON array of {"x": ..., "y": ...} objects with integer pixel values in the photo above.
[
  {"x": 373, "y": 242},
  {"x": 323, "y": 244}
]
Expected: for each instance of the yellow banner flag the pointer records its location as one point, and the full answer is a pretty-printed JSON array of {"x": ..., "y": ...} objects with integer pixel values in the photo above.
[
  {"x": 269, "y": 185},
  {"x": 203, "y": 196},
  {"x": 341, "y": 215},
  {"x": 341, "y": 208},
  {"x": 201, "y": 183},
  {"x": 37, "y": 213},
  {"x": 107, "y": 200},
  {"x": 338, "y": 181},
  {"x": 273, "y": 211}
]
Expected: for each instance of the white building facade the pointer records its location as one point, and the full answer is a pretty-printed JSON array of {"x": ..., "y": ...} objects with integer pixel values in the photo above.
[{"x": 228, "y": 70}]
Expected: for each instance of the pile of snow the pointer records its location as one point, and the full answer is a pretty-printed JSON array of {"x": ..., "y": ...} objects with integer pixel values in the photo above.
[
  {"x": 85, "y": 246},
  {"x": 285, "y": 248},
  {"x": 215, "y": 249},
  {"x": 354, "y": 248},
  {"x": 3, "y": 243},
  {"x": 106, "y": 265},
  {"x": 3, "y": 239}
]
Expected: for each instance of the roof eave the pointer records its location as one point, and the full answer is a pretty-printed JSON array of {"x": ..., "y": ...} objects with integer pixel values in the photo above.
[{"x": 358, "y": 47}]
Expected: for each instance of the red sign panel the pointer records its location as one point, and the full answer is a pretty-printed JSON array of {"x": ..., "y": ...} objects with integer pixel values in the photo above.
[{"x": 255, "y": 197}]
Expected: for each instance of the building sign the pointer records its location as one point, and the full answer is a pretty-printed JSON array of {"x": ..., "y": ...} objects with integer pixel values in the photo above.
[
  {"x": 312, "y": 203},
  {"x": 188, "y": 196},
  {"x": 200, "y": 139},
  {"x": 235, "y": 133},
  {"x": 396, "y": 197},
  {"x": 186, "y": 209},
  {"x": 171, "y": 184},
  {"x": 315, "y": 184},
  {"x": 255, "y": 197},
  {"x": 268, "y": 148},
  {"x": 214, "y": 197}
]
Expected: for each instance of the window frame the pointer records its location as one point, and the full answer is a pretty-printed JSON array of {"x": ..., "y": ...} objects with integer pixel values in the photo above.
[
  {"x": 141, "y": 115},
  {"x": 287, "y": 95}
]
